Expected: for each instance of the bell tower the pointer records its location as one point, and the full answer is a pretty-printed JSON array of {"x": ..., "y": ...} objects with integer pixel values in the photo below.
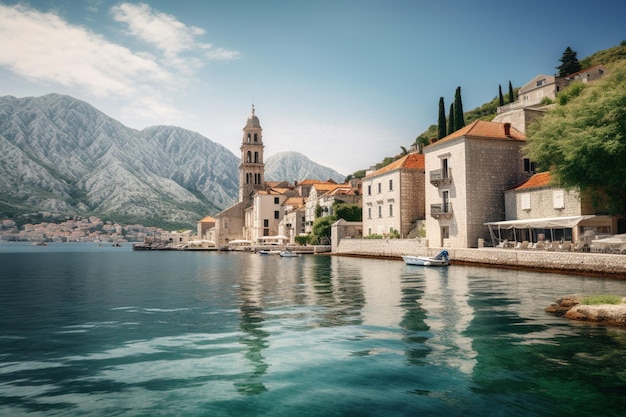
[{"x": 252, "y": 168}]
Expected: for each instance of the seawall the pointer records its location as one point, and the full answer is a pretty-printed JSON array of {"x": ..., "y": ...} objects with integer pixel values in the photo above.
[{"x": 608, "y": 265}]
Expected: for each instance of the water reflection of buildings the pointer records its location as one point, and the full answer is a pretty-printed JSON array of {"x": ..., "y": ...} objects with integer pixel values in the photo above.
[{"x": 448, "y": 315}]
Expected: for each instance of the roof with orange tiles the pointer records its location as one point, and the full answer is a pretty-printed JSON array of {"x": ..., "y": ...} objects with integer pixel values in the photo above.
[
  {"x": 295, "y": 201},
  {"x": 342, "y": 191},
  {"x": 485, "y": 130},
  {"x": 542, "y": 179},
  {"x": 207, "y": 219},
  {"x": 309, "y": 182},
  {"x": 327, "y": 186},
  {"x": 410, "y": 161}
]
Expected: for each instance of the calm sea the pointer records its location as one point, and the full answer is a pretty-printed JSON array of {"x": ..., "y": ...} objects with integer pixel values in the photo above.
[{"x": 88, "y": 330}]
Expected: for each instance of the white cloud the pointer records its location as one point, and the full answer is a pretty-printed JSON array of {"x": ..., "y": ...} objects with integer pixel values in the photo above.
[
  {"x": 42, "y": 47},
  {"x": 168, "y": 34}
]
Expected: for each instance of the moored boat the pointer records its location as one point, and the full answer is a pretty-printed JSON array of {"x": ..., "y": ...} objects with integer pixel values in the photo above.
[
  {"x": 289, "y": 254},
  {"x": 442, "y": 259}
]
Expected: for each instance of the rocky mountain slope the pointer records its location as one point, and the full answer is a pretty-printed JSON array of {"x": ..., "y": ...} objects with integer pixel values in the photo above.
[
  {"x": 293, "y": 166},
  {"x": 61, "y": 155}
]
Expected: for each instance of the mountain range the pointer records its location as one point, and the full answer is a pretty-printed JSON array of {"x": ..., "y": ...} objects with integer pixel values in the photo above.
[{"x": 61, "y": 157}]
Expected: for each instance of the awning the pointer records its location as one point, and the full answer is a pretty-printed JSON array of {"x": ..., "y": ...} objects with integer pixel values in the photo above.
[{"x": 540, "y": 223}]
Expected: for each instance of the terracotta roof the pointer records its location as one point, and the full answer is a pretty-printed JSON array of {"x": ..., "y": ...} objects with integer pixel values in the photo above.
[
  {"x": 410, "y": 161},
  {"x": 326, "y": 186},
  {"x": 305, "y": 182},
  {"x": 342, "y": 191},
  {"x": 207, "y": 219},
  {"x": 295, "y": 201},
  {"x": 539, "y": 180},
  {"x": 485, "y": 130}
]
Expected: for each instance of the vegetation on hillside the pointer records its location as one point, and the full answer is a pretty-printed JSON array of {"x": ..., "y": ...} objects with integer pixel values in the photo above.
[{"x": 582, "y": 140}]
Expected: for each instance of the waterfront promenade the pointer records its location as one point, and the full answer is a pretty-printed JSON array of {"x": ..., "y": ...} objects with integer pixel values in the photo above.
[{"x": 609, "y": 265}]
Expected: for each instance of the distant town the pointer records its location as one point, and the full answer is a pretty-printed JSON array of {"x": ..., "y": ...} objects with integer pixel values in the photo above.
[{"x": 89, "y": 229}]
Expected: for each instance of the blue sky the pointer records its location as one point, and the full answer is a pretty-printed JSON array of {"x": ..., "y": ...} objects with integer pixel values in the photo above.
[{"x": 344, "y": 82}]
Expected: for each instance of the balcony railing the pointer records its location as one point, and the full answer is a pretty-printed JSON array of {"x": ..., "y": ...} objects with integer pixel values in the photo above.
[
  {"x": 441, "y": 211},
  {"x": 440, "y": 177}
]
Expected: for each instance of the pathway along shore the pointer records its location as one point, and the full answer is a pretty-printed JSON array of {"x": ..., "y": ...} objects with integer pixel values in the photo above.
[{"x": 597, "y": 264}]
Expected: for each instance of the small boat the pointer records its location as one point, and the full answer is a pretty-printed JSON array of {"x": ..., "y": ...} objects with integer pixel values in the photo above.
[
  {"x": 442, "y": 259},
  {"x": 289, "y": 254},
  {"x": 269, "y": 252},
  {"x": 40, "y": 244}
]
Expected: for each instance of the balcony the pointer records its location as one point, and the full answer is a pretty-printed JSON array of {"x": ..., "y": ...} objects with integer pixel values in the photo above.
[
  {"x": 440, "y": 177},
  {"x": 441, "y": 211}
]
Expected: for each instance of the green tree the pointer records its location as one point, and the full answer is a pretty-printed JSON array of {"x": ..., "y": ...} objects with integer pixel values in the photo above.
[
  {"x": 321, "y": 229},
  {"x": 511, "y": 93},
  {"x": 583, "y": 142},
  {"x": 348, "y": 212},
  {"x": 501, "y": 98},
  {"x": 459, "y": 120},
  {"x": 451, "y": 119},
  {"x": 441, "y": 132},
  {"x": 569, "y": 63}
]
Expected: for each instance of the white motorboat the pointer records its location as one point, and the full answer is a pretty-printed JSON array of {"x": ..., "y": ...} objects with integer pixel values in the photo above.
[
  {"x": 289, "y": 254},
  {"x": 442, "y": 259}
]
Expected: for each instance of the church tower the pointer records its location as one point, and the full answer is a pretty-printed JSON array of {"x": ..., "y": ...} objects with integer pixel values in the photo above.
[{"x": 252, "y": 168}]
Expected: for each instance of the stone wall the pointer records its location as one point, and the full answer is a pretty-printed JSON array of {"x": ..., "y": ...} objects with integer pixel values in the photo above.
[{"x": 571, "y": 262}]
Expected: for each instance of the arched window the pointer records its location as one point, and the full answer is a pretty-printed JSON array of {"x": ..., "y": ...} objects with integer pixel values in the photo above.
[
  {"x": 249, "y": 157},
  {"x": 256, "y": 157},
  {"x": 249, "y": 138},
  {"x": 255, "y": 137}
]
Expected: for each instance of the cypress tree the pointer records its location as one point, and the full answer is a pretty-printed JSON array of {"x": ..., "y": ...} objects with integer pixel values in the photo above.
[
  {"x": 451, "y": 119},
  {"x": 441, "y": 133},
  {"x": 511, "y": 94},
  {"x": 459, "y": 120},
  {"x": 500, "y": 94},
  {"x": 569, "y": 63}
]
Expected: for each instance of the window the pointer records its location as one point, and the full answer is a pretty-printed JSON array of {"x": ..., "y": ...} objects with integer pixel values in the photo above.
[
  {"x": 266, "y": 232},
  {"x": 390, "y": 210},
  {"x": 248, "y": 137},
  {"x": 256, "y": 157},
  {"x": 276, "y": 200},
  {"x": 369, "y": 190},
  {"x": 369, "y": 212},
  {"x": 266, "y": 223},
  {"x": 249, "y": 157},
  {"x": 276, "y": 214},
  {"x": 380, "y": 188},
  {"x": 525, "y": 201},
  {"x": 380, "y": 211},
  {"x": 255, "y": 137},
  {"x": 444, "y": 168},
  {"x": 390, "y": 185}
]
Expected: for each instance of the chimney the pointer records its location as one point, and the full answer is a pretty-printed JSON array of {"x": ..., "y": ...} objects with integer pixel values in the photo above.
[{"x": 507, "y": 129}]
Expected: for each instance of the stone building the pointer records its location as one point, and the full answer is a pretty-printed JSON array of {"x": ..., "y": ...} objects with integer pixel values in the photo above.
[
  {"x": 537, "y": 210},
  {"x": 467, "y": 173},
  {"x": 393, "y": 196}
]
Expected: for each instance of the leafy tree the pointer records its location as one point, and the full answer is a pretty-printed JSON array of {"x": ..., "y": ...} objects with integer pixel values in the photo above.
[
  {"x": 441, "y": 132},
  {"x": 511, "y": 94},
  {"x": 348, "y": 212},
  {"x": 501, "y": 98},
  {"x": 583, "y": 143},
  {"x": 569, "y": 63},
  {"x": 321, "y": 228},
  {"x": 451, "y": 128},
  {"x": 459, "y": 121},
  {"x": 404, "y": 151}
]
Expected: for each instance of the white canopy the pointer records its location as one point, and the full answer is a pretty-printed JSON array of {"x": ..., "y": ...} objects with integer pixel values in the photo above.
[{"x": 540, "y": 223}]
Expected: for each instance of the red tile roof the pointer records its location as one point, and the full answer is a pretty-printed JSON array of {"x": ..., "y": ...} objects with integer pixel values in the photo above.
[
  {"x": 485, "y": 130},
  {"x": 410, "y": 161},
  {"x": 539, "y": 180}
]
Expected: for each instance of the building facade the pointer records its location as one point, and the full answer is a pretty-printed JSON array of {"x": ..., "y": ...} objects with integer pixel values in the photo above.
[
  {"x": 467, "y": 173},
  {"x": 393, "y": 197}
]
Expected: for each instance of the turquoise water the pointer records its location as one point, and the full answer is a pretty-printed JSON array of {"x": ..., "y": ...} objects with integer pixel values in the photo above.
[{"x": 101, "y": 331}]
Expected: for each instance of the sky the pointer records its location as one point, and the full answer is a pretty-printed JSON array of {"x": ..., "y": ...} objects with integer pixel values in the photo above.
[{"x": 345, "y": 83}]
